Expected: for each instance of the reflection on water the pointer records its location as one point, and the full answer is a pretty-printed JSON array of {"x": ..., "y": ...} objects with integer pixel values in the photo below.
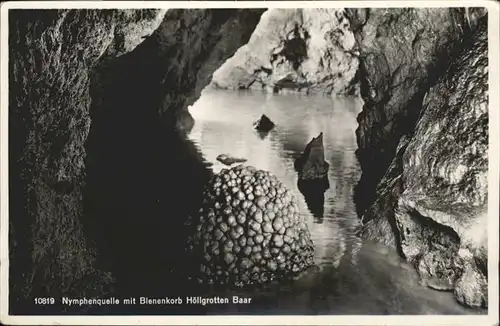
[
  {"x": 314, "y": 195},
  {"x": 224, "y": 125},
  {"x": 353, "y": 277}
]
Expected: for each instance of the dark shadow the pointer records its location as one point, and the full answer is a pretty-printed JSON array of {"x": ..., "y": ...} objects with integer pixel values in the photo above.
[
  {"x": 314, "y": 194},
  {"x": 142, "y": 178},
  {"x": 294, "y": 48}
]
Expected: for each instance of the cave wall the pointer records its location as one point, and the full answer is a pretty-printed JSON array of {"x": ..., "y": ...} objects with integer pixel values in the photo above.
[
  {"x": 55, "y": 56},
  {"x": 195, "y": 43},
  {"x": 51, "y": 55},
  {"x": 445, "y": 177},
  {"x": 422, "y": 140},
  {"x": 298, "y": 50},
  {"x": 402, "y": 52}
]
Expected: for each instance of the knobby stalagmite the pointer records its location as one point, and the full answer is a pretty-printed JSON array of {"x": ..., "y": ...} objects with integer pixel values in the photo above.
[{"x": 248, "y": 230}]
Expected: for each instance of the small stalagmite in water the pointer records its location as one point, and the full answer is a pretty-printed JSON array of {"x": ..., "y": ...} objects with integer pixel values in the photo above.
[
  {"x": 264, "y": 124},
  {"x": 227, "y": 159},
  {"x": 311, "y": 164}
]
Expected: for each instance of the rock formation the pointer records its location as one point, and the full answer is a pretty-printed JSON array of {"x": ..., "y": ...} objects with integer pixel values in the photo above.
[
  {"x": 230, "y": 160},
  {"x": 445, "y": 177},
  {"x": 52, "y": 54},
  {"x": 311, "y": 164},
  {"x": 214, "y": 36},
  {"x": 307, "y": 50},
  {"x": 248, "y": 230},
  {"x": 55, "y": 56},
  {"x": 402, "y": 53},
  {"x": 264, "y": 124},
  {"x": 423, "y": 139}
]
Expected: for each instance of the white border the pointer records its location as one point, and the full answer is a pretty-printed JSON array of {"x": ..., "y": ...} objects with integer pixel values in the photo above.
[{"x": 493, "y": 208}]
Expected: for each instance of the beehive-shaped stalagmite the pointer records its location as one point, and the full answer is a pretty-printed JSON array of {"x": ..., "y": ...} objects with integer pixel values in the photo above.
[{"x": 248, "y": 230}]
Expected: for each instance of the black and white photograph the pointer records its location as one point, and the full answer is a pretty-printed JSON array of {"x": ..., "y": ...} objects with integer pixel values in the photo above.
[{"x": 255, "y": 159}]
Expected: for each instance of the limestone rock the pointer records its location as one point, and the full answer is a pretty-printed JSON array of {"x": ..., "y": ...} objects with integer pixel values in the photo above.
[
  {"x": 311, "y": 164},
  {"x": 141, "y": 25},
  {"x": 378, "y": 220},
  {"x": 403, "y": 51},
  {"x": 472, "y": 287},
  {"x": 188, "y": 60},
  {"x": 439, "y": 189},
  {"x": 306, "y": 50},
  {"x": 446, "y": 164}
]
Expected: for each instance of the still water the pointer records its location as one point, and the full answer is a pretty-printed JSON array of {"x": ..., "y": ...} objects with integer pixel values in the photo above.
[{"x": 354, "y": 276}]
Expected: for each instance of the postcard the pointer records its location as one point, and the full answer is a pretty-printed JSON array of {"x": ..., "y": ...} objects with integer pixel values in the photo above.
[{"x": 249, "y": 162}]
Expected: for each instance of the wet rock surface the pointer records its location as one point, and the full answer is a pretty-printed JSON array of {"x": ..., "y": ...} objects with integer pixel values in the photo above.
[
  {"x": 402, "y": 53},
  {"x": 311, "y": 164},
  {"x": 248, "y": 230},
  {"x": 298, "y": 50},
  {"x": 446, "y": 164},
  {"x": 432, "y": 200}
]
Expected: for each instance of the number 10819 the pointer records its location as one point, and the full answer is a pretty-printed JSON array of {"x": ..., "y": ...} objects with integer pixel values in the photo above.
[{"x": 45, "y": 300}]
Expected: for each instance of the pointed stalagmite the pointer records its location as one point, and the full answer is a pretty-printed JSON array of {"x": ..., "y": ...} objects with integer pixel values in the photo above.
[
  {"x": 264, "y": 124},
  {"x": 311, "y": 164}
]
